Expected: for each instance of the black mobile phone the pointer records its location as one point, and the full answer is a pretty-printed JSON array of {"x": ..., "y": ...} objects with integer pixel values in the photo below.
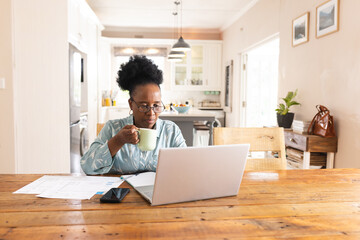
[{"x": 114, "y": 195}]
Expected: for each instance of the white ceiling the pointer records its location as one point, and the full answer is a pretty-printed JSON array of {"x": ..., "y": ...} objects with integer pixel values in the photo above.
[{"x": 196, "y": 14}]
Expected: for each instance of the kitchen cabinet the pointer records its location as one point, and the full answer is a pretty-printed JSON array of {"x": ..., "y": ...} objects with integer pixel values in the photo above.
[
  {"x": 200, "y": 69},
  {"x": 80, "y": 21},
  {"x": 111, "y": 113}
]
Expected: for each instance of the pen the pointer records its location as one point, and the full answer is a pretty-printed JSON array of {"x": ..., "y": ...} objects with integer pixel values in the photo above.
[{"x": 124, "y": 178}]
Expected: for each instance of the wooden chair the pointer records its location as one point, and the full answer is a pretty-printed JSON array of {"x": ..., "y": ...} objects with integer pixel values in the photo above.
[
  {"x": 99, "y": 126},
  {"x": 260, "y": 139}
]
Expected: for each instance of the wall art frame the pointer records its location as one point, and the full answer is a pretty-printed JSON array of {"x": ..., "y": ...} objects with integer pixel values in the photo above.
[
  {"x": 300, "y": 29},
  {"x": 327, "y": 18}
]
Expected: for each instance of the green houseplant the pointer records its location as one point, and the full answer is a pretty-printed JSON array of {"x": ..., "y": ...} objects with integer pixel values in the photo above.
[{"x": 284, "y": 117}]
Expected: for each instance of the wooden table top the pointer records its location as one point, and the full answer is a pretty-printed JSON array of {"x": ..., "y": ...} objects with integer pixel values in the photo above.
[{"x": 289, "y": 204}]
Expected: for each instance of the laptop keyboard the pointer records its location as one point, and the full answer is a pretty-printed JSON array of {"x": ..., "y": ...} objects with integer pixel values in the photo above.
[
  {"x": 147, "y": 191},
  {"x": 148, "y": 194}
]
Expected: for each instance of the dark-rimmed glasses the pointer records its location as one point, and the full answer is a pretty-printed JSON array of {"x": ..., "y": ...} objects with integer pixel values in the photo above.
[{"x": 145, "y": 108}]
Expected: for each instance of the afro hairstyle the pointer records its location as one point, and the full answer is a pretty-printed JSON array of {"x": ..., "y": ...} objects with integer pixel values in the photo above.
[{"x": 139, "y": 70}]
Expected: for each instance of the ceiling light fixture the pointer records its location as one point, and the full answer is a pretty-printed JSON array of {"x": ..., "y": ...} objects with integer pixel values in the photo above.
[
  {"x": 181, "y": 45},
  {"x": 175, "y": 56},
  {"x": 152, "y": 51},
  {"x": 129, "y": 50},
  {"x": 175, "y": 59}
]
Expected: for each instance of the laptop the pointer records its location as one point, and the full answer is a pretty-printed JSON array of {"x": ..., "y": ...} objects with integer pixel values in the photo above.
[{"x": 193, "y": 173}]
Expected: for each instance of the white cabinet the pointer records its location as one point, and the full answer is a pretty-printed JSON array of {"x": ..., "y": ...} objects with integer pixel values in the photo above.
[
  {"x": 110, "y": 113},
  {"x": 80, "y": 19},
  {"x": 200, "y": 69},
  {"x": 84, "y": 30},
  {"x": 212, "y": 66}
]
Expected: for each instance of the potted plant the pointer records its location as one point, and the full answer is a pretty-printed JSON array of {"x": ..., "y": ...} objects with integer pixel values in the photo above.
[{"x": 284, "y": 117}]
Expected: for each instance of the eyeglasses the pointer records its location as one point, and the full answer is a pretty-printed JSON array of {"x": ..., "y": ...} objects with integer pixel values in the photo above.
[{"x": 145, "y": 108}]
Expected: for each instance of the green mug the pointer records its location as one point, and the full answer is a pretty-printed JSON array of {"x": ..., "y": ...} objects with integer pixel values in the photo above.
[{"x": 147, "y": 139}]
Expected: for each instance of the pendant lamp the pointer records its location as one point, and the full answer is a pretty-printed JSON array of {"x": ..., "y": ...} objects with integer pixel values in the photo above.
[
  {"x": 174, "y": 59},
  {"x": 181, "y": 45},
  {"x": 175, "y": 56}
]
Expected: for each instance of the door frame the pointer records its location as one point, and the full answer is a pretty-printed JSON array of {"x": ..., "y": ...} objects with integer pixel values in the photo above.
[{"x": 242, "y": 61}]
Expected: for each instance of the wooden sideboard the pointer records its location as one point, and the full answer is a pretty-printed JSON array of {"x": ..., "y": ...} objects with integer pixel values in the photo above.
[{"x": 312, "y": 143}]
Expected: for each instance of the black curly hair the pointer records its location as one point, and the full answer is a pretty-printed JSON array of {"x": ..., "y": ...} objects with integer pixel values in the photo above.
[{"x": 139, "y": 70}]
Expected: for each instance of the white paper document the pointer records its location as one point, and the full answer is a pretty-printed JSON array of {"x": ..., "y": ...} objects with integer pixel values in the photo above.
[
  {"x": 142, "y": 179},
  {"x": 70, "y": 187}
]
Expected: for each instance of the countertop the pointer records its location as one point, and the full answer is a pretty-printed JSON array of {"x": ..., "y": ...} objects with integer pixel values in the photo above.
[{"x": 190, "y": 113}]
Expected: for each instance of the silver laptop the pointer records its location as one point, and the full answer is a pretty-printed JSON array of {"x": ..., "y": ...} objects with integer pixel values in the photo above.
[{"x": 193, "y": 173}]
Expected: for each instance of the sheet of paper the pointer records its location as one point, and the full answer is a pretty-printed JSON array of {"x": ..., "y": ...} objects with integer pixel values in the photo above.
[
  {"x": 70, "y": 187},
  {"x": 142, "y": 179}
]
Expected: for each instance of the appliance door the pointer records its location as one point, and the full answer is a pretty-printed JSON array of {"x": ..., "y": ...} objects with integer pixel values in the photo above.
[
  {"x": 75, "y": 76},
  {"x": 75, "y": 147},
  {"x": 84, "y": 141}
]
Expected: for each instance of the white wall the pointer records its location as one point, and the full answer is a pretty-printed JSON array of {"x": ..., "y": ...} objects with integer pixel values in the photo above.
[
  {"x": 41, "y": 85},
  {"x": 259, "y": 23},
  {"x": 325, "y": 71},
  {"x": 7, "y": 146}
]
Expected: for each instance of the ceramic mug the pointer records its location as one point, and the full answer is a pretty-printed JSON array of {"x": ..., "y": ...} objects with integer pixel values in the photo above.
[{"x": 147, "y": 139}]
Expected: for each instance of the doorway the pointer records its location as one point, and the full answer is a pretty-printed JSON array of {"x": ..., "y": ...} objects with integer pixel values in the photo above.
[{"x": 259, "y": 84}]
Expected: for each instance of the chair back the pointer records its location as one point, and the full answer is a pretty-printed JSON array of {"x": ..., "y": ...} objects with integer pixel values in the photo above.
[
  {"x": 99, "y": 126},
  {"x": 269, "y": 140}
]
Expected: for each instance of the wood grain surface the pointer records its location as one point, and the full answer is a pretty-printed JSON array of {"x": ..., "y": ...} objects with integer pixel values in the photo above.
[
  {"x": 310, "y": 143},
  {"x": 284, "y": 204}
]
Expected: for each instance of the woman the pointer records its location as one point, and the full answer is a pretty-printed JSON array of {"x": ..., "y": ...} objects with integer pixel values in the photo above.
[{"x": 115, "y": 149}]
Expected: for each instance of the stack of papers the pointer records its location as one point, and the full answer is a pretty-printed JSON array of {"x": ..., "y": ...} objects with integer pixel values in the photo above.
[{"x": 70, "y": 187}]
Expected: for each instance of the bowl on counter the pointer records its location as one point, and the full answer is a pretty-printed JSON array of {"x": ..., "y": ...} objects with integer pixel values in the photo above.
[{"x": 182, "y": 109}]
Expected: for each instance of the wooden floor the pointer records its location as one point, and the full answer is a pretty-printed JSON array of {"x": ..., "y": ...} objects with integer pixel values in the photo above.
[{"x": 289, "y": 204}]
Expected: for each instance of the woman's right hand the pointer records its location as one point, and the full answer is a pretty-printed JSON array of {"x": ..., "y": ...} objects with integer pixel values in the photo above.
[{"x": 127, "y": 134}]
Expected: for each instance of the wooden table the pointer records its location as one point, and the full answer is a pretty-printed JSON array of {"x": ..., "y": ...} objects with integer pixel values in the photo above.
[
  {"x": 312, "y": 143},
  {"x": 288, "y": 204}
]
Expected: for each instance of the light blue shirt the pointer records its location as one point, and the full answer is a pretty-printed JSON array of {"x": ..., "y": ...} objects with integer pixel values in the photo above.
[{"x": 129, "y": 159}]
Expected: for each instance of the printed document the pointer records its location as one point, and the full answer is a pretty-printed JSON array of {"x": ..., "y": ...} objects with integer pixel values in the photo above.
[{"x": 70, "y": 187}]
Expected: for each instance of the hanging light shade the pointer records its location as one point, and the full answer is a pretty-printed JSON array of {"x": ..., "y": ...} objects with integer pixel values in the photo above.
[
  {"x": 174, "y": 59},
  {"x": 173, "y": 53},
  {"x": 181, "y": 45}
]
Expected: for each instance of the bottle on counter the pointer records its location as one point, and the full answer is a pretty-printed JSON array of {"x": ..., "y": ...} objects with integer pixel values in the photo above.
[
  {"x": 171, "y": 108},
  {"x": 108, "y": 102}
]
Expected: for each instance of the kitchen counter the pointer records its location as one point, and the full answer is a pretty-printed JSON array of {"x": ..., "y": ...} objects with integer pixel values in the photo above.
[
  {"x": 185, "y": 121},
  {"x": 194, "y": 113}
]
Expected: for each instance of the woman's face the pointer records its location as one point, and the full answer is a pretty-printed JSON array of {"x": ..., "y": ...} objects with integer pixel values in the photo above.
[{"x": 145, "y": 95}]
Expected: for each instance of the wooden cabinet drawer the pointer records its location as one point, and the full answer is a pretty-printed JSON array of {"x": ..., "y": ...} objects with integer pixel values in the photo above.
[{"x": 297, "y": 141}]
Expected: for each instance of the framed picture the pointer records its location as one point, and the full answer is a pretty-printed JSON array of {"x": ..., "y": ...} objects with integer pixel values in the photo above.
[
  {"x": 228, "y": 86},
  {"x": 300, "y": 29},
  {"x": 327, "y": 18}
]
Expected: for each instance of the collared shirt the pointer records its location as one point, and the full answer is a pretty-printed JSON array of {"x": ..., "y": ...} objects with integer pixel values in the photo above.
[{"x": 129, "y": 159}]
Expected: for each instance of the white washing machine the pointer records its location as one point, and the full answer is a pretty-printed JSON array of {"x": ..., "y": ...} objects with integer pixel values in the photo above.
[{"x": 84, "y": 137}]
